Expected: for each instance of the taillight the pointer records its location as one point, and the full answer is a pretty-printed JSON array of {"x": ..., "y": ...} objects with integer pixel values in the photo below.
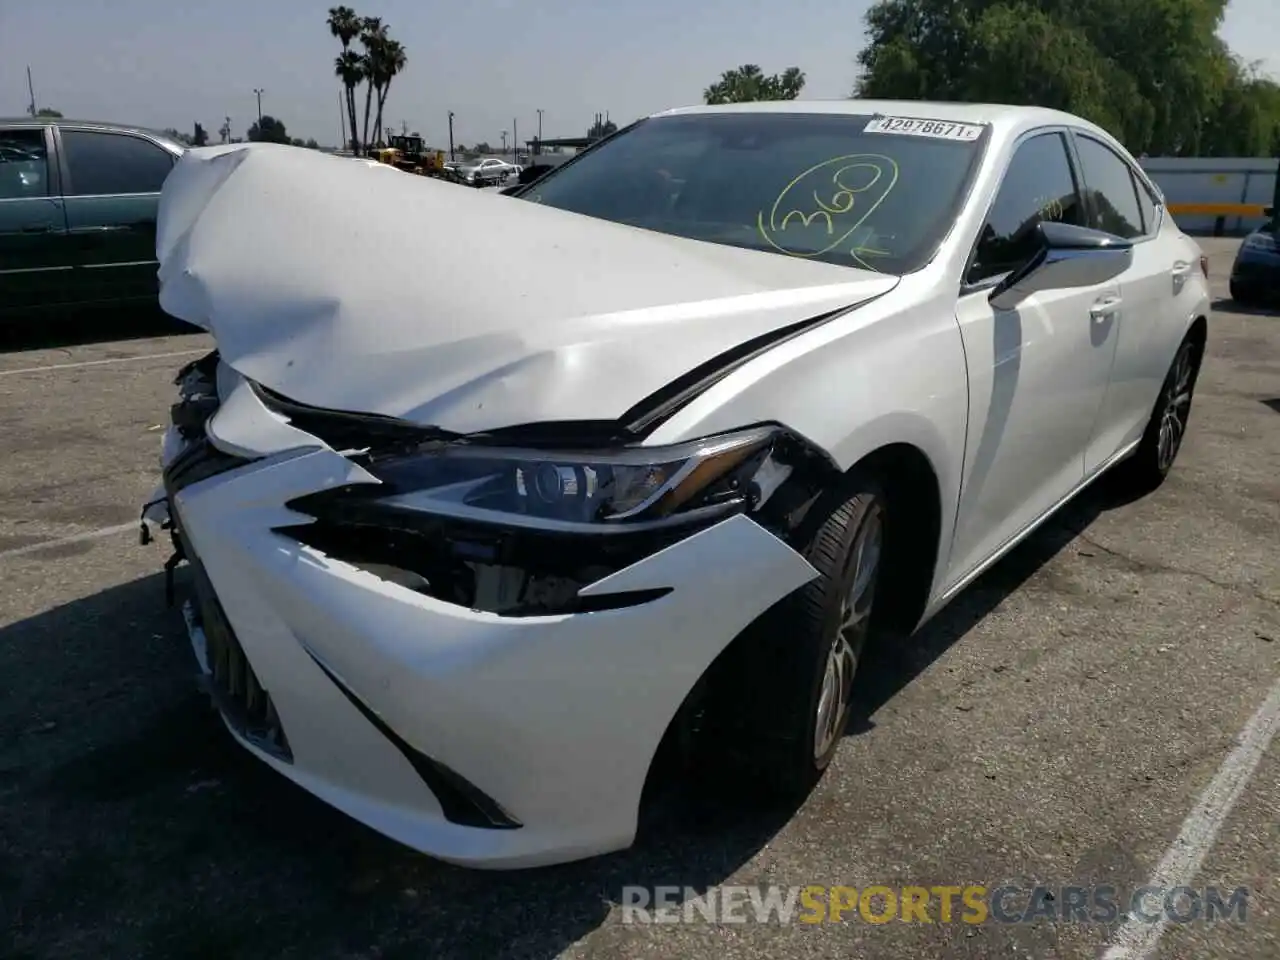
[{"x": 1204, "y": 266}]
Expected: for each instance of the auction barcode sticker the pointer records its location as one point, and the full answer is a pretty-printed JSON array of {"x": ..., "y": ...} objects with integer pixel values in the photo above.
[{"x": 915, "y": 127}]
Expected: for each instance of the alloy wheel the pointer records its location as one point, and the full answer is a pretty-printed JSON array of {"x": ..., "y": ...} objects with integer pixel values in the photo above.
[
  {"x": 1177, "y": 408},
  {"x": 855, "y": 614}
]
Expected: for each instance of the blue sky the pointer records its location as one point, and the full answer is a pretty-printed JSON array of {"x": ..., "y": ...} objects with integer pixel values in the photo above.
[{"x": 163, "y": 63}]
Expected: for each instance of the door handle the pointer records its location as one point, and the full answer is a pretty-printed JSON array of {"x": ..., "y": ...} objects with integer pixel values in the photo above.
[
  {"x": 1104, "y": 307},
  {"x": 42, "y": 228}
]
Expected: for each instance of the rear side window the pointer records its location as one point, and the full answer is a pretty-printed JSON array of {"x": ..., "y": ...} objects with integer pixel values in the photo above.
[
  {"x": 24, "y": 164},
  {"x": 1112, "y": 192},
  {"x": 106, "y": 163},
  {"x": 1038, "y": 185}
]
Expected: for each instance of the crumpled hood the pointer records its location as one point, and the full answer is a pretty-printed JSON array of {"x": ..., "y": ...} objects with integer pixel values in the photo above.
[{"x": 354, "y": 289}]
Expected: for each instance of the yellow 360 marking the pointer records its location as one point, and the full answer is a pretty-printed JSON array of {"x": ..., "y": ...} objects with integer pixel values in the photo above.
[{"x": 833, "y": 198}]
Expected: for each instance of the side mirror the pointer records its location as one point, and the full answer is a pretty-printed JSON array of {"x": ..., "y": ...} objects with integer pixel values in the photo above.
[{"x": 1068, "y": 256}]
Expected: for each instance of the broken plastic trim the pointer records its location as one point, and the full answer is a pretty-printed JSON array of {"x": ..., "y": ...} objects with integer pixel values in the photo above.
[
  {"x": 344, "y": 430},
  {"x": 649, "y": 413},
  {"x": 206, "y": 366},
  {"x": 461, "y": 801}
]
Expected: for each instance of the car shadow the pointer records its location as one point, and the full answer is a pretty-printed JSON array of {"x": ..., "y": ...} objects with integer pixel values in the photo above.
[
  {"x": 52, "y": 329},
  {"x": 889, "y": 667},
  {"x": 146, "y": 828},
  {"x": 1254, "y": 310},
  {"x": 1273, "y": 403}
]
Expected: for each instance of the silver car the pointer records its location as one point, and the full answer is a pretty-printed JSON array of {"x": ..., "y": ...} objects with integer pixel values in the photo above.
[{"x": 486, "y": 171}]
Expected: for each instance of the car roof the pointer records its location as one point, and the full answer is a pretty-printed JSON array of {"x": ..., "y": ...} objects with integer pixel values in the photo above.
[
  {"x": 1002, "y": 116},
  {"x": 88, "y": 124}
]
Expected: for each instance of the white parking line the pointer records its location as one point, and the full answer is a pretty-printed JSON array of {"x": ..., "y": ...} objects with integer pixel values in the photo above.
[
  {"x": 74, "y": 538},
  {"x": 99, "y": 363},
  {"x": 1136, "y": 940}
]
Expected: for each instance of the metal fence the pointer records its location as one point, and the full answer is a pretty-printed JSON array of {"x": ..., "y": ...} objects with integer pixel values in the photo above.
[{"x": 1215, "y": 195}]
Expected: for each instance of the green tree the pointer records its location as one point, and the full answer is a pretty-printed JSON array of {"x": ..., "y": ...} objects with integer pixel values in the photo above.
[
  {"x": 48, "y": 112},
  {"x": 1153, "y": 73},
  {"x": 748, "y": 82},
  {"x": 1247, "y": 120},
  {"x": 346, "y": 26},
  {"x": 268, "y": 130},
  {"x": 389, "y": 59},
  {"x": 372, "y": 35}
]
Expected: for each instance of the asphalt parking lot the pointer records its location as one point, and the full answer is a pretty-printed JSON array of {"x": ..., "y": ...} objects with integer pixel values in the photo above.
[{"x": 1080, "y": 716}]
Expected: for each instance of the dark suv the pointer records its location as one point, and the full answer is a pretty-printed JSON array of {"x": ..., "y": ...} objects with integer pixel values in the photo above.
[{"x": 78, "y": 212}]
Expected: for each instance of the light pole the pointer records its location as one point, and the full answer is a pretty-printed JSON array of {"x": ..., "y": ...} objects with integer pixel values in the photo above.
[
  {"x": 259, "y": 92},
  {"x": 539, "y": 130},
  {"x": 504, "y": 141},
  {"x": 515, "y": 140},
  {"x": 451, "y": 157}
]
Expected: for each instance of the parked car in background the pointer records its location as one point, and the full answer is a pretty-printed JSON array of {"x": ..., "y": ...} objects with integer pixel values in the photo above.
[
  {"x": 78, "y": 212},
  {"x": 487, "y": 171},
  {"x": 1255, "y": 275}
]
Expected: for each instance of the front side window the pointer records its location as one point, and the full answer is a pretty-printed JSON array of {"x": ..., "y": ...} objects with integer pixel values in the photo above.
[
  {"x": 812, "y": 186},
  {"x": 1038, "y": 185},
  {"x": 105, "y": 163},
  {"x": 24, "y": 164},
  {"x": 1111, "y": 188}
]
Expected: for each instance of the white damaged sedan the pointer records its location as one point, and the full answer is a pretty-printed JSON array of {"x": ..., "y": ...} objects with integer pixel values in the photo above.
[{"x": 472, "y": 550}]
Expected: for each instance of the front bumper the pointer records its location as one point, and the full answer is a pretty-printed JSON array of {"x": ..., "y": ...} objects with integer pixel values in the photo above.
[{"x": 396, "y": 707}]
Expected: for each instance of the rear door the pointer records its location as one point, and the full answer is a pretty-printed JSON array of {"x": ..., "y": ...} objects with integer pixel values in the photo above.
[
  {"x": 112, "y": 191},
  {"x": 35, "y": 259},
  {"x": 1151, "y": 291}
]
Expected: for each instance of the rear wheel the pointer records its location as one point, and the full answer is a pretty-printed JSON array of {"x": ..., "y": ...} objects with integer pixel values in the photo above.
[
  {"x": 1239, "y": 294},
  {"x": 1160, "y": 444}
]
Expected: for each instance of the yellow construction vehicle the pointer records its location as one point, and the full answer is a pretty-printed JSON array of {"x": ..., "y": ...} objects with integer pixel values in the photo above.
[{"x": 408, "y": 153}]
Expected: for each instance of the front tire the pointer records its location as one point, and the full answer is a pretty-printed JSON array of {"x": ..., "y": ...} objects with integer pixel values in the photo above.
[{"x": 803, "y": 674}]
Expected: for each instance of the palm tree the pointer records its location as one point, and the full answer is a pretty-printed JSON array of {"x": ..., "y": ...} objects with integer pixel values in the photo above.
[
  {"x": 372, "y": 36},
  {"x": 345, "y": 25},
  {"x": 350, "y": 70},
  {"x": 390, "y": 61}
]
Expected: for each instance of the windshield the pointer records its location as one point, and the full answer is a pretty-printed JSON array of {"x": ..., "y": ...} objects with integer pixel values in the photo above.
[{"x": 843, "y": 189}]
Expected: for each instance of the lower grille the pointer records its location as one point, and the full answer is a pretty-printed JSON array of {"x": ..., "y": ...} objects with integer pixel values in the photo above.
[{"x": 231, "y": 680}]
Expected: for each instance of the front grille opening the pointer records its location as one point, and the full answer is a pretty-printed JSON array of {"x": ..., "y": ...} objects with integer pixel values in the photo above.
[{"x": 231, "y": 682}]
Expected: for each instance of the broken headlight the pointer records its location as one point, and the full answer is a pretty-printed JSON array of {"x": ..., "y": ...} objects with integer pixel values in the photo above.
[{"x": 627, "y": 486}]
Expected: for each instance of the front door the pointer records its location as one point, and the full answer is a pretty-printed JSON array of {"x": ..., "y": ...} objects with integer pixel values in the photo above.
[
  {"x": 112, "y": 194},
  {"x": 1038, "y": 373},
  {"x": 35, "y": 261}
]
